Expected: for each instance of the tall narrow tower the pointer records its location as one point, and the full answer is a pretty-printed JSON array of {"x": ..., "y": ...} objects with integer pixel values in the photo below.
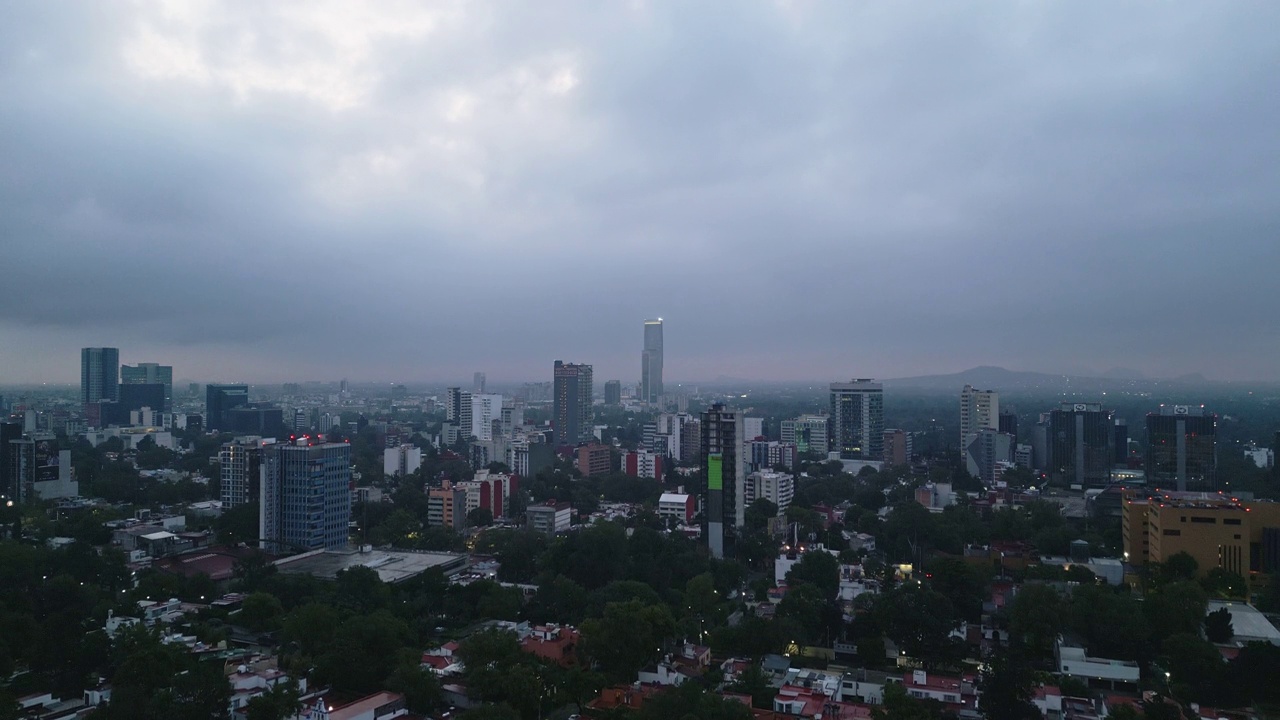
[
  {"x": 651, "y": 362},
  {"x": 724, "y": 473},
  {"x": 99, "y": 374},
  {"x": 979, "y": 410},
  {"x": 572, "y": 386},
  {"x": 856, "y": 426}
]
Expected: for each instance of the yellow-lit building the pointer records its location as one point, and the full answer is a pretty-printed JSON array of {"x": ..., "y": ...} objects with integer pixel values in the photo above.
[{"x": 1218, "y": 531}]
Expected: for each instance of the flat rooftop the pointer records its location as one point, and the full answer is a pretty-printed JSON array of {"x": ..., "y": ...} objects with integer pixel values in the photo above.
[
  {"x": 1247, "y": 623},
  {"x": 392, "y": 566}
]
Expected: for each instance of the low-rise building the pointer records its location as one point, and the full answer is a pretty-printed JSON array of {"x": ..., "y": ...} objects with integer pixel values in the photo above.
[
  {"x": 935, "y": 496},
  {"x": 554, "y": 643},
  {"x": 643, "y": 464},
  {"x": 378, "y": 706},
  {"x": 447, "y": 506},
  {"x": 1072, "y": 659},
  {"x": 249, "y": 681},
  {"x": 594, "y": 459},
  {"x": 401, "y": 460},
  {"x": 1248, "y": 624},
  {"x": 549, "y": 517},
  {"x": 955, "y": 692},
  {"x": 676, "y": 505}
]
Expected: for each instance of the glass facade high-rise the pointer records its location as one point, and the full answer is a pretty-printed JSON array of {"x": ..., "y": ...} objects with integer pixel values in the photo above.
[
  {"x": 218, "y": 400},
  {"x": 1181, "y": 447},
  {"x": 150, "y": 374},
  {"x": 808, "y": 432},
  {"x": 99, "y": 374},
  {"x": 135, "y": 396},
  {"x": 613, "y": 392},
  {"x": 651, "y": 362},
  {"x": 573, "y": 386},
  {"x": 305, "y": 496},
  {"x": 856, "y": 425},
  {"x": 1081, "y": 441},
  {"x": 723, "y": 473}
]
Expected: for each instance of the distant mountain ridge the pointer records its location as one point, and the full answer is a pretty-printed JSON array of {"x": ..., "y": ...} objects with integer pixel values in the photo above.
[{"x": 990, "y": 377}]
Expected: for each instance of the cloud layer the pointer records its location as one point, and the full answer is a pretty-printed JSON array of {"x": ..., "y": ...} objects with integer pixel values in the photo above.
[{"x": 411, "y": 191}]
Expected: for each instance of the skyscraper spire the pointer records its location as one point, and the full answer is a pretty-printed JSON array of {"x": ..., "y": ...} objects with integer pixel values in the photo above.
[{"x": 651, "y": 363}]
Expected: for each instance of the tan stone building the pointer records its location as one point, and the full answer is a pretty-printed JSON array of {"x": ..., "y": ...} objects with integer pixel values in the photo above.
[{"x": 1216, "y": 530}]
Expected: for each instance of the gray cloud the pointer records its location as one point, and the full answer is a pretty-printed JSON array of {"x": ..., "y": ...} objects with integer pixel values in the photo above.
[{"x": 804, "y": 190}]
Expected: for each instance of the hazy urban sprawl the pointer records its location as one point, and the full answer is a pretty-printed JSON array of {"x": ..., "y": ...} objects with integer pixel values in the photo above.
[{"x": 648, "y": 360}]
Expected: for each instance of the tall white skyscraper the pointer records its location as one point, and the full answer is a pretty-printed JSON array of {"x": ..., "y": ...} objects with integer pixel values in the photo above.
[
  {"x": 979, "y": 410},
  {"x": 651, "y": 362},
  {"x": 484, "y": 410}
]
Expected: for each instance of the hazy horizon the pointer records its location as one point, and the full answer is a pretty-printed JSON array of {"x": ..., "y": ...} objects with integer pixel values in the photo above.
[
  {"x": 801, "y": 190},
  {"x": 673, "y": 385}
]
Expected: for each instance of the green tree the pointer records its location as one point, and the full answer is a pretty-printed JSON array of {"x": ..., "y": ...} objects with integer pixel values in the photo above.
[
  {"x": 480, "y": 517},
  {"x": 1007, "y": 686},
  {"x": 1178, "y": 607},
  {"x": 558, "y": 600},
  {"x": 1195, "y": 667},
  {"x": 1178, "y": 568},
  {"x": 1036, "y": 618},
  {"x": 700, "y": 596},
  {"x": 920, "y": 621},
  {"x": 311, "y": 627},
  {"x": 819, "y": 569},
  {"x": 253, "y": 572},
  {"x": 281, "y": 702},
  {"x": 629, "y": 636},
  {"x": 810, "y": 616},
  {"x": 691, "y": 700},
  {"x": 488, "y": 656},
  {"x": 1110, "y": 622},
  {"x": 758, "y": 514},
  {"x": 1269, "y": 600},
  {"x": 491, "y": 712},
  {"x": 420, "y": 688},
  {"x": 360, "y": 589},
  {"x": 898, "y": 705},
  {"x": 1217, "y": 626},
  {"x": 152, "y": 680},
  {"x": 1222, "y": 583},
  {"x": 400, "y": 529},
  {"x": 1158, "y": 707},
  {"x": 365, "y": 650},
  {"x": 260, "y": 612},
  {"x": 964, "y": 585},
  {"x": 755, "y": 683},
  {"x": 578, "y": 685}
]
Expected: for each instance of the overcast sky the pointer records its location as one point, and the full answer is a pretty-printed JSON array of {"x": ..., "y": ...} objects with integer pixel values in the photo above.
[{"x": 402, "y": 191}]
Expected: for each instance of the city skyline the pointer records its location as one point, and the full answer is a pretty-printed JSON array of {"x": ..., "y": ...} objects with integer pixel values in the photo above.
[{"x": 1057, "y": 175}]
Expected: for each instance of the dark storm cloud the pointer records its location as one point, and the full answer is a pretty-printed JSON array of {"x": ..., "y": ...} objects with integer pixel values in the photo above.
[{"x": 803, "y": 190}]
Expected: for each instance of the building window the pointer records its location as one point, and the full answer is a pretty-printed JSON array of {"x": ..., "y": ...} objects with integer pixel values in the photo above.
[
  {"x": 1231, "y": 521},
  {"x": 1168, "y": 533},
  {"x": 1209, "y": 520}
]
